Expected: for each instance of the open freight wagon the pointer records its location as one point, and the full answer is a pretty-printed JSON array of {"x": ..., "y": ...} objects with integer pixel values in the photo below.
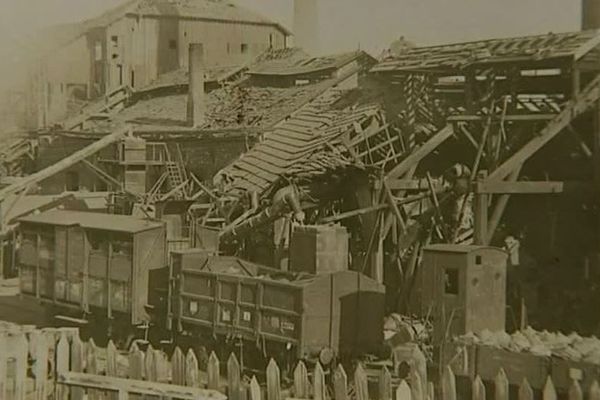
[
  {"x": 323, "y": 315},
  {"x": 99, "y": 266}
]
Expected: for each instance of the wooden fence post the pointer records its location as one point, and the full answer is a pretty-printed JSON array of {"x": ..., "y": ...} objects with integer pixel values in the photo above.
[
  {"x": 449, "y": 384},
  {"x": 214, "y": 371},
  {"x": 233, "y": 377},
  {"x": 478, "y": 389},
  {"x": 594, "y": 391},
  {"x": 191, "y": 369},
  {"x": 403, "y": 391},
  {"x": 62, "y": 366},
  {"x": 501, "y": 386},
  {"x": 549, "y": 392},
  {"x": 575, "y": 392},
  {"x": 301, "y": 385},
  {"x": 273, "y": 381},
  {"x": 178, "y": 367},
  {"x": 360, "y": 383},
  {"x": 525, "y": 390},
  {"x": 340, "y": 383},
  {"x": 255, "y": 389},
  {"x": 77, "y": 361},
  {"x": 319, "y": 386}
]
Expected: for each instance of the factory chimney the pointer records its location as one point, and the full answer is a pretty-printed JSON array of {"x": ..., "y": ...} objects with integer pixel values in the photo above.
[
  {"x": 196, "y": 107},
  {"x": 306, "y": 26},
  {"x": 590, "y": 14}
]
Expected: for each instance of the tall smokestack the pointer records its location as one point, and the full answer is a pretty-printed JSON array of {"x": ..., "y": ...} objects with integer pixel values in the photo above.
[
  {"x": 196, "y": 109},
  {"x": 590, "y": 14},
  {"x": 306, "y": 26}
]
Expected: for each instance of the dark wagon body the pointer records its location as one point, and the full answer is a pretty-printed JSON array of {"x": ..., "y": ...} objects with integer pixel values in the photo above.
[
  {"x": 93, "y": 264},
  {"x": 340, "y": 311}
]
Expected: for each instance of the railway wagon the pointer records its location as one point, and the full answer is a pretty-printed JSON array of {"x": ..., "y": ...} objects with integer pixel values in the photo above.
[
  {"x": 93, "y": 269},
  {"x": 306, "y": 315}
]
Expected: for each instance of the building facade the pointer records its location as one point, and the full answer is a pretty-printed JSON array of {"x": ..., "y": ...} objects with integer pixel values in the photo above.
[{"x": 135, "y": 43}]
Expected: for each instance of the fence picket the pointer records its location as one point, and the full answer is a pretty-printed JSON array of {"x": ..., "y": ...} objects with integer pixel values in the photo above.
[
  {"x": 525, "y": 390},
  {"x": 214, "y": 371},
  {"x": 3, "y": 362},
  {"x": 340, "y": 383},
  {"x": 191, "y": 369},
  {"x": 501, "y": 386},
  {"x": 575, "y": 392},
  {"x": 92, "y": 368},
  {"x": 150, "y": 365},
  {"x": 549, "y": 392},
  {"x": 420, "y": 366},
  {"x": 478, "y": 389},
  {"x": 233, "y": 377},
  {"x": 112, "y": 365},
  {"x": 385, "y": 384},
  {"x": 319, "y": 386},
  {"x": 448, "y": 384},
  {"x": 430, "y": 391},
  {"x": 273, "y": 381},
  {"x": 403, "y": 391},
  {"x": 178, "y": 367},
  {"x": 416, "y": 387},
  {"x": 594, "y": 391},
  {"x": 255, "y": 389},
  {"x": 360, "y": 383},
  {"x": 62, "y": 365},
  {"x": 77, "y": 361},
  {"x": 40, "y": 367},
  {"x": 21, "y": 352},
  {"x": 301, "y": 385}
]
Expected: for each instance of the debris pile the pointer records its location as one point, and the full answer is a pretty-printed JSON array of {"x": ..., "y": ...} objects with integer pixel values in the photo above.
[{"x": 570, "y": 347}]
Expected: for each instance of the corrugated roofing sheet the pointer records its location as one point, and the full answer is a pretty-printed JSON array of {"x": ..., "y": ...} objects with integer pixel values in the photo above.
[
  {"x": 293, "y": 66},
  {"x": 459, "y": 55},
  {"x": 106, "y": 222}
]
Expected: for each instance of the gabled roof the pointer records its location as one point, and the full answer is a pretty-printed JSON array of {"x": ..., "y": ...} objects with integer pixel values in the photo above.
[
  {"x": 456, "y": 56},
  {"x": 98, "y": 221}
]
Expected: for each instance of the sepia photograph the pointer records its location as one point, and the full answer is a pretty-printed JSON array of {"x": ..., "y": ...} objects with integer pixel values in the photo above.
[{"x": 299, "y": 199}]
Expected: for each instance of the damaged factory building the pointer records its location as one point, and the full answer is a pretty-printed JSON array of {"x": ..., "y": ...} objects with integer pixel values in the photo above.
[{"x": 199, "y": 202}]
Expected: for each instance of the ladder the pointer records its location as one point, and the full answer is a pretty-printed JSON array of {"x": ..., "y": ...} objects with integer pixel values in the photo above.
[{"x": 176, "y": 172}]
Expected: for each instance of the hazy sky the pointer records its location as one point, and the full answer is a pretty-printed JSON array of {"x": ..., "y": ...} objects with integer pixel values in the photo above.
[{"x": 347, "y": 23}]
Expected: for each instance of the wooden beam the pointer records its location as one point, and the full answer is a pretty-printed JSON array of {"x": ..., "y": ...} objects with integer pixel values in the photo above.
[
  {"x": 390, "y": 198},
  {"x": 507, "y": 118},
  {"x": 500, "y": 207},
  {"x": 576, "y": 107},
  {"x": 64, "y": 163},
  {"x": 367, "y": 210},
  {"x": 423, "y": 151},
  {"x": 481, "y": 215},
  {"x": 533, "y": 187},
  {"x": 114, "y": 384},
  {"x": 410, "y": 184}
]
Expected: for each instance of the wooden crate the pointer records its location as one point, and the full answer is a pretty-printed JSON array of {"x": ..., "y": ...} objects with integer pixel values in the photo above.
[{"x": 564, "y": 371}]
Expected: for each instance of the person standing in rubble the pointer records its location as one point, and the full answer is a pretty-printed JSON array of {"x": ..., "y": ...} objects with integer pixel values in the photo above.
[{"x": 458, "y": 179}]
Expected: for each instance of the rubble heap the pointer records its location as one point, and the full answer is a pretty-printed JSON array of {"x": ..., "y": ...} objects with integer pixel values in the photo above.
[{"x": 571, "y": 347}]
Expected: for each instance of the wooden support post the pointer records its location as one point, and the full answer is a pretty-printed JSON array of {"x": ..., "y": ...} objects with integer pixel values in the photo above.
[
  {"x": 576, "y": 81},
  {"x": 481, "y": 214},
  {"x": 501, "y": 204}
]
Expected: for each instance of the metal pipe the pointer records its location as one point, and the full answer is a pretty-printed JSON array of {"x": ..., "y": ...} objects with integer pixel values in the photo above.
[
  {"x": 590, "y": 14},
  {"x": 196, "y": 110}
]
